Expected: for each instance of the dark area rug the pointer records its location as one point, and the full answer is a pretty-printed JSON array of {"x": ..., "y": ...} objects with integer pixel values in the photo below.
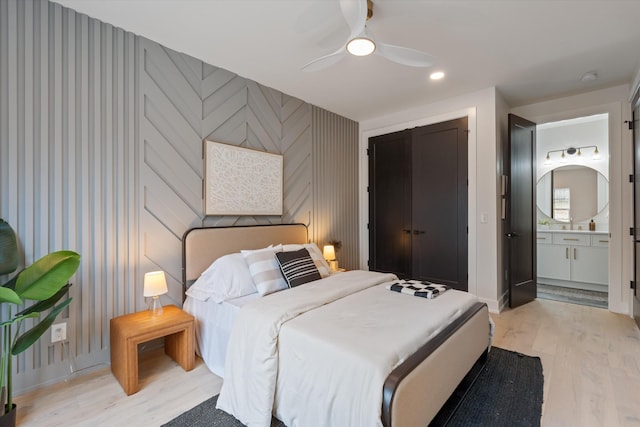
[{"x": 507, "y": 391}]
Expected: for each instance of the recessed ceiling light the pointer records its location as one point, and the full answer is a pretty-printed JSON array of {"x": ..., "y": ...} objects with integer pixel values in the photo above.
[
  {"x": 361, "y": 46},
  {"x": 437, "y": 75}
]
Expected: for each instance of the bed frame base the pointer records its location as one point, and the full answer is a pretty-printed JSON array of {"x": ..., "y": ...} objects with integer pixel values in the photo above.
[
  {"x": 449, "y": 408},
  {"x": 417, "y": 389}
]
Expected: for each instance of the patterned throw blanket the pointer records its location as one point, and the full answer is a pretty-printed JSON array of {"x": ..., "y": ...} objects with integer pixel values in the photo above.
[{"x": 418, "y": 288}]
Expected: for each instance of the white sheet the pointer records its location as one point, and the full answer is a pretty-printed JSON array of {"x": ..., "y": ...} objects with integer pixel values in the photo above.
[
  {"x": 214, "y": 322},
  {"x": 329, "y": 363}
]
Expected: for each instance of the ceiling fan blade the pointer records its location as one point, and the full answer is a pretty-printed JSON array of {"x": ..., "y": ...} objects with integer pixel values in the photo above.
[
  {"x": 405, "y": 55},
  {"x": 325, "y": 61},
  {"x": 355, "y": 13}
]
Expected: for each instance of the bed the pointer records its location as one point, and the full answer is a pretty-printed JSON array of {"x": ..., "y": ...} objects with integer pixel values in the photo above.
[{"x": 414, "y": 378}]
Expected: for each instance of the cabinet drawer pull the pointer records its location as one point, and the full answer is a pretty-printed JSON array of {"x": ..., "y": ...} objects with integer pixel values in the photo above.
[
  {"x": 566, "y": 253},
  {"x": 543, "y": 238},
  {"x": 574, "y": 253},
  {"x": 603, "y": 241},
  {"x": 573, "y": 240}
]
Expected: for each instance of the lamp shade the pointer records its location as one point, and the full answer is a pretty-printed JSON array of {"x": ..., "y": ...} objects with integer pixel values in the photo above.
[
  {"x": 329, "y": 252},
  {"x": 155, "y": 284}
]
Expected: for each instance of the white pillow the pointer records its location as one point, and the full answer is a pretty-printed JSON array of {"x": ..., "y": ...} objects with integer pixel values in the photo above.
[
  {"x": 265, "y": 269},
  {"x": 316, "y": 256},
  {"x": 228, "y": 277}
]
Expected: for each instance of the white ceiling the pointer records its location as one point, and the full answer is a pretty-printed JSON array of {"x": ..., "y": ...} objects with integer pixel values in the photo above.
[{"x": 530, "y": 50}]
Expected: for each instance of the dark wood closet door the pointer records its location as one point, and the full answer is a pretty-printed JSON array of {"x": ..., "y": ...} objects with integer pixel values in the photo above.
[
  {"x": 439, "y": 195},
  {"x": 390, "y": 203},
  {"x": 418, "y": 203}
]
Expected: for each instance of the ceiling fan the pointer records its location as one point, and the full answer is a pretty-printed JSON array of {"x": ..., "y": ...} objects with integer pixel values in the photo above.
[{"x": 361, "y": 41}]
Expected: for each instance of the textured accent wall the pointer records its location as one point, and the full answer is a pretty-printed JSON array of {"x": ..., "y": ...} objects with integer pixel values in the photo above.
[
  {"x": 68, "y": 174},
  {"x": 101, "y": 152},
  {"x": 184, "y": 101},
  {"x": 335, "y": 184}
]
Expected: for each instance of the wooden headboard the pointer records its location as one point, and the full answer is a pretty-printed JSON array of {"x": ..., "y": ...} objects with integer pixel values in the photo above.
[{"x": 202, "y": 246}]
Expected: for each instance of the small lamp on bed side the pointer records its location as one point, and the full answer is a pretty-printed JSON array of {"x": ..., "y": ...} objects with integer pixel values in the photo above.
[
  {"x": 329, "y": 253},
  {"x": 155, "y": 284}
]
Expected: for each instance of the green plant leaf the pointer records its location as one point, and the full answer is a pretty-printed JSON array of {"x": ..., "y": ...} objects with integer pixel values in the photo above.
[
  {"x": 26, "y": 316},
  {"x": 9, "y": 295},
  {"x": 8, "y": 248},
  {"x": 27, "y": 339},
  {"x": 11, "y": 284},
  {"x": 41, "y": 306},
  {"x": 45, "y": 277}
]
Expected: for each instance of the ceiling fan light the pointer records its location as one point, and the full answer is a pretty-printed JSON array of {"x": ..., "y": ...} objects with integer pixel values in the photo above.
[{"x": 361, "y": 46}]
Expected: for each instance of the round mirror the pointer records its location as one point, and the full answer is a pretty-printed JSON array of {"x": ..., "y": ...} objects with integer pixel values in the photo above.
[{"x": 573, "y": 192}]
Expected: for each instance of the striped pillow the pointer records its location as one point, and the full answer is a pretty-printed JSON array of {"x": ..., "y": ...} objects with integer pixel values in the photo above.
[
  {"x": 297, "y": 267},
  {"x": 316, "y": 255},
  {"x": 265, "y": 270}
]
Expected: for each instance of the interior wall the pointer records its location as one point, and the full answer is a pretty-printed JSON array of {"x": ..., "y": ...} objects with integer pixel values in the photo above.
[
  {"x": 182, "y": 102},
  {"x": 480, "y": 108},
  {"x": 615, "y": 102},
  {"x": 101, "y": 152},
  {"x": 335, "y": 184},
  {"x": 68, "y": 175}
]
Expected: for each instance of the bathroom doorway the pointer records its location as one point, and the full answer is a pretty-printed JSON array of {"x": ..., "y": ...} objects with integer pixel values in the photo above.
[{"x": 572, "y": 199}]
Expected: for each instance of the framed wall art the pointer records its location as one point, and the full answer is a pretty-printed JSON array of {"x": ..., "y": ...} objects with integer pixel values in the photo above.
[{"x": 242, "y": 181}]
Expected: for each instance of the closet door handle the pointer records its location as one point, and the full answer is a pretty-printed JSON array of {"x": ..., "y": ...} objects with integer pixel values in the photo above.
[
  {"x": 574, "y": 253},
  {"x": 418, "y": 232},
  {"x": 566, "y": 253}
]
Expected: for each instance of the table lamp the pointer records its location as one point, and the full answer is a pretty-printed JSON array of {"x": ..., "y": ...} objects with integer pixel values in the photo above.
[
  {"x": 329, "y": 253},
  {"x": 155, "y": 284}
]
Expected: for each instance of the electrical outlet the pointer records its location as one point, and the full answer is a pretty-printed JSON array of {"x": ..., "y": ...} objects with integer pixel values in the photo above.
[{"x": 59, "y": 332}]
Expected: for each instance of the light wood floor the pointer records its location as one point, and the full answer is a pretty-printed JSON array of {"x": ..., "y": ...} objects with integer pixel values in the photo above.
[{"x": 590, "y": 358}]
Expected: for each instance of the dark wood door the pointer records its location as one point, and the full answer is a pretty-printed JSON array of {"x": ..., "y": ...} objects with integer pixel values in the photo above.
[
  {"x": 636, "y": 207},
  {"x": 439, "y": 193},
  {"x": 520, "y": 239},
  {"x": 390, "y": 203},
  {"x": 418, "y": 203}
]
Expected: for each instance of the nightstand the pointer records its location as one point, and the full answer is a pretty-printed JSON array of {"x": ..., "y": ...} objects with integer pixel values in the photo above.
[{"x": 132, "y": 329}]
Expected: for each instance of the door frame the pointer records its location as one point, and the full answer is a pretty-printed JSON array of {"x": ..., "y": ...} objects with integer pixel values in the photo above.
[
  {"x": 363, "y": 166},
  {"x": 620, "y": 138}
]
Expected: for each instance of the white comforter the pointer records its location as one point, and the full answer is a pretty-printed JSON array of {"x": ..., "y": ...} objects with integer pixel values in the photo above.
[{"x": 312, "y": 363}]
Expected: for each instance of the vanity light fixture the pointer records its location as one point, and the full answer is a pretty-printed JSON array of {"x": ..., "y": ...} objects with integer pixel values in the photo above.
[{"x": 571, "y": 151}]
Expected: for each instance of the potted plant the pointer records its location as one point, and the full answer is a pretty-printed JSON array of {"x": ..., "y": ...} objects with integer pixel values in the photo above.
[
  {"x": 544, "y": 223},
  {"x": 46, "y": 283}
]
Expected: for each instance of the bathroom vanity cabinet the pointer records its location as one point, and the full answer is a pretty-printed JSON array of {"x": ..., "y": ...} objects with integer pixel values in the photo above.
[{"x": 575, "y": 259}]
